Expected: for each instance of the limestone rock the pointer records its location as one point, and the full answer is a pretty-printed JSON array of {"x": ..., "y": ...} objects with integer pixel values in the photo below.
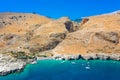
[
  {"x": 30, "y": 32},
  {"x": 27, "y": 37},
  {"x": 72, "y": 26},
  {"x": 97, "y": 34},
  {"x": 10, "y": 65}
]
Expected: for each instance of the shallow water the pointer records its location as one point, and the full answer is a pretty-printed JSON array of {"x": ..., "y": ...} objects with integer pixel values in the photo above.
[{"x": 68, "y": 70}]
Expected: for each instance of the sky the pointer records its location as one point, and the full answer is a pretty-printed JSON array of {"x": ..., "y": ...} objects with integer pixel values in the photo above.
[{"x": 58, "y": 8}]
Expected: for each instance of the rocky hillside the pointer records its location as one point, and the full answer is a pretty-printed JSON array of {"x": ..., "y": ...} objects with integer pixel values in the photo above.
[
  {"x": 32, "y": 33},
  {"x": 36, "y": 35},
  {"x": 26, "y": 37},
  {"x": 97, "y": 36}
]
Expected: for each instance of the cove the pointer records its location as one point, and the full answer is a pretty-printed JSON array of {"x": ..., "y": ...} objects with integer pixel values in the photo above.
[{"x": 68, "y": 70}]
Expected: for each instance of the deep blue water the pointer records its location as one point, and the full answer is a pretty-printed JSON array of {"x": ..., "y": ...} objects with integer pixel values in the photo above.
[{"x": 69, "y": 70}]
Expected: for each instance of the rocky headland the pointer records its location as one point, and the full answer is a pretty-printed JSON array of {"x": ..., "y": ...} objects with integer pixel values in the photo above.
[{"x": 26, "y": 37}]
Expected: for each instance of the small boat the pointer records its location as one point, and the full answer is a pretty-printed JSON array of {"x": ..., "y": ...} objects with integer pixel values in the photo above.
[
  {"x": 63, "y": 62},
  {"x": 82, "y": 64},
  {"x": 87, "y": 67},
  {"x": 114, "y": 62},
  {"x": 73, "y": 63}
]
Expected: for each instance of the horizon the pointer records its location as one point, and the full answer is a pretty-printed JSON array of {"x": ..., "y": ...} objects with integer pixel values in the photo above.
[{"x": 56, "y": 9}]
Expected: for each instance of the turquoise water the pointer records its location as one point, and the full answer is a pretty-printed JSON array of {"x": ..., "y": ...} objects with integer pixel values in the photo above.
[{"x": 68, "y": 70}]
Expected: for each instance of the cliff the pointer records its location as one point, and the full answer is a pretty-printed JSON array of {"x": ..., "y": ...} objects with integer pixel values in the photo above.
[
  {"x": 97, "y": 36},
  {"x": 26, "y": 37}
]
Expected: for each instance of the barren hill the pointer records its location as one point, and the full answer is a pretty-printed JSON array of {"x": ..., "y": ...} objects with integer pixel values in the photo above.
[
  {"x": 97, "y": 36},
  {"x": 32, "y": 33},
  {"x": 26, "y": 37},
  {"x": 35, "y": 34}
]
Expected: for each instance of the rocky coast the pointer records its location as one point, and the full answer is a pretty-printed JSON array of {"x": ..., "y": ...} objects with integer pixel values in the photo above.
[
  {"x": 92, "y": 56},
  {"x": 27, "y": 37},
  {"x": 10, "y": 65}
]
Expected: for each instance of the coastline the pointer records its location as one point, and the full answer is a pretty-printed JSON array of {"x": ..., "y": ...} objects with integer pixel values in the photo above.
[
  {"x": 42, "y": 68},
  {"x": 60, "y": 39},
  {"x": 90, "y": 56},
  {"x": 20, "y": 67}
]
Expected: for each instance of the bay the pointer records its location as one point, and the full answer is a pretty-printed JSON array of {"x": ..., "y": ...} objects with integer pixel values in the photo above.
[{"x": 68, "y": 70}]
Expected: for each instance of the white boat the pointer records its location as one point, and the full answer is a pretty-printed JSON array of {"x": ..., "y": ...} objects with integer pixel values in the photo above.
[
  {"x": 87, "y": 67},
  {"x": 63, "y": 62},
  {"x": 73, "y": 63}
]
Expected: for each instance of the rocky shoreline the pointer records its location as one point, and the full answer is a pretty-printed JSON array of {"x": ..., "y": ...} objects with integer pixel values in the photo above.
[
  {"x": 92, "y": 56},
  {"x": 25, "y": 38},
  {"x": 11, "y": 67},
  {"x": 8, "y": 67}
]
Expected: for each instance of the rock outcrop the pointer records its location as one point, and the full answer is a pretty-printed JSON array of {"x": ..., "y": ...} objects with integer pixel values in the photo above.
[
  {"x": 98, "y": 35},
  {"x": 27, "y": 37},
  {"x": 9, "y": 64},
  {"x": 30, "y": 32}
]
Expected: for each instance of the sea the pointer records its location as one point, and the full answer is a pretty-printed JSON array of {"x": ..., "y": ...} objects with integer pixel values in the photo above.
[{"x": 68, "y": 70}]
